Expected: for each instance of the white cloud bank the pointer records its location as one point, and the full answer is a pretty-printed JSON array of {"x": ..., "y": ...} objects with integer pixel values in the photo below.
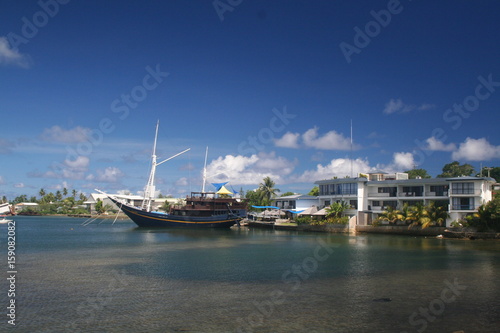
[
  {"x": 243, "y": 170},
  {"x": 437, "y": 145},
  {"x": 397, "y": 106},
  {"x": 57, "y": 134},
  {"x": 331, "y": 140},
  {"x": 476, "y": 150}
]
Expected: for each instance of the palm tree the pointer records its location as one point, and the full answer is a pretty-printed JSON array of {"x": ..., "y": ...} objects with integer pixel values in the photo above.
[
  {"x": 437, "y": 214},
  {"x": 418, "y": 215},
  {"x": 267, "y": 190},
  {"x": 74, "y": 192},
  {"x": 336, "y": 209},
  {"x": 65, "y": 191},
  {"x": 391, "y": 215},
  {"x": 42, "y": 194}
]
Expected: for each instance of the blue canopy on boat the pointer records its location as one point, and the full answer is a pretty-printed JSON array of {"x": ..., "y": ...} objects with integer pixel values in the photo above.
[{"x": 218, "y": 186}]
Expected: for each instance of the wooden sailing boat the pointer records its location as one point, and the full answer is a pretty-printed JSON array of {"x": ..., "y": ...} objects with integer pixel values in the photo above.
[{"x": 201, "y": 210}]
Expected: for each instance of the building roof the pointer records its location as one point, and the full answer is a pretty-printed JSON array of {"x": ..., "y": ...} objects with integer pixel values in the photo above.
[
  {"x": 462, "y": 178},
  {"x": 295, "y": 197},
  {"x": 341, "y": 180}
]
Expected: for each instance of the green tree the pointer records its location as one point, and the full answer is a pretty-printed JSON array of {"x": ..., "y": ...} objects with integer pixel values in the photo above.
[
  {"x": 65, "y": 191},
  {"x": 58, "y": 196},
  {"x": 287, "y": 194},
  {"x": 42, "y": 193},
  {"x": 267, "y": 190},
  {"x": 166, "y": 206},
  {"x": 254, "y": 198},
  {"x": 418, "y": 215},
  {"x": 493, "y": 172},
  {"x": 99, "y": 207},
  {"x": 391, "y": 215},
  {"x": 4, "y": 199},
  {"x": 454, "y": 169},
  {"x": 314, "y": 191},
  {"x": 488, "y": 216},
  {"x": 414, "y": 173},
  {"x": 336, "y": 209},
  {"x": 82, "y": 198},
  {"x": 436, "y": 213},
  {"x": 74, "y": 193}
]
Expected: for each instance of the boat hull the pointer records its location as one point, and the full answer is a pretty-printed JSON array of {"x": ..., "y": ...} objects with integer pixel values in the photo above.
[{"x": 159, "y": 220}]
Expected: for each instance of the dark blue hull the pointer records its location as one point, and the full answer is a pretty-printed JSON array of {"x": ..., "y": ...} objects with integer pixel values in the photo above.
[{"x": 156, "y": 220}]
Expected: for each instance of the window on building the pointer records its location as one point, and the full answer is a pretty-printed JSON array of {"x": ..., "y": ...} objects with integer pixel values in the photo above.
[
  {"x": 413, "y": 191},
  {"x": 463, "y": 204},
  {"x": 462, "y": 188},
  {"x": 390, "y": 190},
  {"x": 440, "y": 190}
]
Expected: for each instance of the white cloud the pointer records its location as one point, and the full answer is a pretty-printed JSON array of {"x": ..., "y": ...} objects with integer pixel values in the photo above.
[
  {"x": 2, "y": 181},
  {"x": 59, "y": 135},
  {"x": 182, "y": 182},
  {"x": 9, "y": 56},
  {"x": 403, "y": 161},
  {"x": 243, "y": 170},
  {"x": 397, "y": 106},
  {"x": 19, "y": 185},
  {"x": 339, "y": 167},
  {"x": 476, "y": 150},
  {"x": 311, "y": 139},
  {"x": 288, "y": 140},
  {"x": 437, "y": 145},
  {"x": 108, "y": 175}
]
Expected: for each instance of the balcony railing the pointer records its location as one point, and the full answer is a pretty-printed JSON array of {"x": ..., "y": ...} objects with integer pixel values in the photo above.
[
  {"x": 436, "y": 194},
  {"x": 464, "y": 207},
  {"x": 465, "y": 192}
]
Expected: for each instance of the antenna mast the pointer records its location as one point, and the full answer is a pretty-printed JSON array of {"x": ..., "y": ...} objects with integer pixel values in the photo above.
[{"x": 351, "y": 150}]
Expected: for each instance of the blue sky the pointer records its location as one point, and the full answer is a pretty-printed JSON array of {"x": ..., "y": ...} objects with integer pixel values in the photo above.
[{"x": 271, "y": 87}]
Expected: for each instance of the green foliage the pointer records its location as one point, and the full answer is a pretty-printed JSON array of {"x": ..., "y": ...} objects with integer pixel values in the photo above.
[
  {"x": 99, "y": 207},
  {"x": 336, "y": 209},
  {"x": 491, "y": 172},
  {"x": 417, "y": 215},
  {"x": 422, "y": 173},
  {"x": 487, "y": 217},
  {"x": 304, "y": 220},
  {"x": 454, "y": 169},
  {"x": 314, "y": 191},
  {"x": 267, "y": 191},
  {"x": 287, "y": 194}
]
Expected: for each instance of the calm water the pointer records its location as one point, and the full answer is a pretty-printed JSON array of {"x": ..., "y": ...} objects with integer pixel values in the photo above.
[{"x": 117, "y": 278}]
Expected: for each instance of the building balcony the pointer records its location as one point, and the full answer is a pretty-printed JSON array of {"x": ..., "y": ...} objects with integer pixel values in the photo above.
[
  {"x": 379, "y": 195},
  {"x": 465, "y": 193},
  {"x": 463, "y": 208},
  {"x": 436, "y": 194}
]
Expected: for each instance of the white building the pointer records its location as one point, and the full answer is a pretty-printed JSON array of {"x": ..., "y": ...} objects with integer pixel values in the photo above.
[
  {"x": 372, "y": 193},
  {"x": 296, "y": 202}
]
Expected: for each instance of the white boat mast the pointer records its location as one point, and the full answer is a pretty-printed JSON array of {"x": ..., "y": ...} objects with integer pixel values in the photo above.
[
  {"x": 149, "y": 190},
  {"x": 204, "y": 172}
]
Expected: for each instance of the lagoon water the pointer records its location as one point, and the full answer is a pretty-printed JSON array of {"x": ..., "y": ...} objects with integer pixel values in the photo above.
[{"x": 108, "y": 277}]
